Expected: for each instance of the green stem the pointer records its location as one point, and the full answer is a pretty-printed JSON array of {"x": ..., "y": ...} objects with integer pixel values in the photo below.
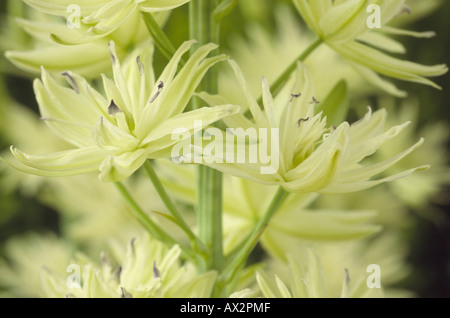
[
  {"x": 161, "y": 40},
  {"x": 282, "y": 79},
  {"x": 147, "y": 223},
  {"x": 248, "y": 245},
  {"x": 279, "y": 83},
  {"x": 204, "y": 29},
  {"x": 167, "y": 201}
]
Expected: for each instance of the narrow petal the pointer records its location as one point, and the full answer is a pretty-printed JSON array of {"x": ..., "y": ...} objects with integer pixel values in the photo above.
[
  {"x": 369, "y": 147},
  {"x": 364, "y": 173},
  {"x": 161, "y": 137},
  {"x": 107, "y": 135},
  {"x": 373, "y": 78},
  {"x": 337, "y": 188},
  {"x": 395, "y": 31},
  {"x": 257, "y": 114},
  {"x": 61, "y": 124},
  {"x": 305, "y": 10},
  {"x": 64, "y": 163},
  {"x": 324, "y": 225},
  {"x": 174, "y": 98},
  {"x": 59, "y": 7},
  {"x": 118, "y": 168},
  {"x": 388, "y": 65},
  {"x": 322, "y": 167},
  {"x": 233, "y": 121},
  {"x": 383, "y": 42},
  {"x": 58, "y": 58},
  {"x": 74, "y": 107}
]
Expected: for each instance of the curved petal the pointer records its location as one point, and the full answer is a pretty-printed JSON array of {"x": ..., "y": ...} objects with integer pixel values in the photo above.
[
  {"x": 118, "y": 168},
  {"x": 59, "y": 7},
  {"x": 63, "y": 163}
]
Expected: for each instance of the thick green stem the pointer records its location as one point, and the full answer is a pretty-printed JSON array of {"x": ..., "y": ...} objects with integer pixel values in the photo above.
[
  {"x": 248, "y": 245},
  {"x": 204, "y": 29},
  {"x": 147, "y": 223}
]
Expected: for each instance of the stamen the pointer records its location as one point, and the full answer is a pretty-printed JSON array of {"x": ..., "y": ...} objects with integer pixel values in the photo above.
[
  {"x": 299, "y": 122},
  {"x": 132, "y": 246},
  {"x": 314, "y": 101},
  {"x": 111, "y": 54},
  {"x": 71, "y": 81},
  {"x": 347, "y": 277},
  {"x": 140, "y": 65},
  {"x": 156, "y": 272},
  {"x": 117, "y": 273},
  {"x": 293, "y": 96},
  {"x": 113, "y": 108},
  {"x": 405, "y": 9},
  {"x": 160, "y": 87}
]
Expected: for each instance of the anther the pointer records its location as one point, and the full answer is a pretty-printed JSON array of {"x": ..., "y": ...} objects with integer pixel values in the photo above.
[
  {"x": 160, "y": 87},
  {"x": 140, "y": 65},
  {"x": 71, "y": 81},
  {"x": 293, "y": 96},
  {"x": 299, "y": 122},
  {"x": 314, "y": 101},
  {"x": 156, "y": 272},
  {"x": 113, "y": 108},
  {"x": 111, "y": 54}
]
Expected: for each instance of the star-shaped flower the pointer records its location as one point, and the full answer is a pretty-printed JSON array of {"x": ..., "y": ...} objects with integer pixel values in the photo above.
[
  {"x": 349, "y": 28},
  {"x": 99, "y": 17},
  {"x": 306, "y": 155},
  {"x": 115, "y": 133}
]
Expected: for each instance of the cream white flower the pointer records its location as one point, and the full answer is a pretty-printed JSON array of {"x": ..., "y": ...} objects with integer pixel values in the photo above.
[
  {"x": 147, "y": 269},
  {"x": 345, "y": 27},
  {"x": 308, "y": 280},
  {"x": 117, "y": 133},
  {"x": 99, "y": 17},
  {"x": 313, "y": 157}
]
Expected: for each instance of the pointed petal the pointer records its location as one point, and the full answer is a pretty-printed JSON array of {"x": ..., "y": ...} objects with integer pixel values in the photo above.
[
  {"x": 118, "y": 168},
  {"x": 322, "y": 166},
  {"x": 59, "y": 7},
  {"x": 107, "y": 135},
  {"x": 363, "y": 173},
  {"x": 174, "y": 98},
  {"x": 389, "y": 66},
  {"x": 373, "y": 78},
  {"x": 233, "y": 121},
  {"x": 161, "y": 136},
  {"x": 338, "y": 188},
  {"x": 64, "y": 163},
  {"x": 324, "y": 225},
  {"x": 383, "y": 42},
  {"x": 95, "y": 59}
]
